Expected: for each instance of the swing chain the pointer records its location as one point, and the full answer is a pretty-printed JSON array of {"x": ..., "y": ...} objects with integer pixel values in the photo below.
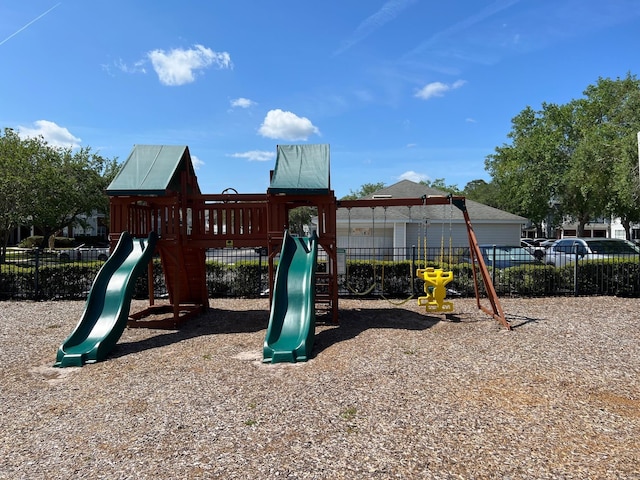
[{"x": 347, "y": 284}]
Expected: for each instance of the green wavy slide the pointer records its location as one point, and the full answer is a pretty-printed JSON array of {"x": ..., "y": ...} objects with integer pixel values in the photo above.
[
  {"x": 107, "y": 308},
  {"x": 291, "y": 329}
]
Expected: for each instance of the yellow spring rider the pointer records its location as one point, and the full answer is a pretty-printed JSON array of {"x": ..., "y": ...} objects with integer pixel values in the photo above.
[{"x": 435, "y": 280}]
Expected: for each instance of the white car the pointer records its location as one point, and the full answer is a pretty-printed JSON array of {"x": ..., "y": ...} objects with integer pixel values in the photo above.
[
  {"x": 530, "y": 245},
  {"x": 568, "y": 250},
  {"x": 83, "y": 252}
]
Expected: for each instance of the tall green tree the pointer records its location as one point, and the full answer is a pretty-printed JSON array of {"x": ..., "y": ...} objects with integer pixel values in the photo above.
[
  {"x": 528, "y": 171},
  {"x": 53, "y": 187},
  {"x": 614, "y": 107},
  {"x": 572, "y": 160},
  {"x": 69, "y": 185},
  {"x": 14, "y": 185},
  {"x": 483, "y": 192}
]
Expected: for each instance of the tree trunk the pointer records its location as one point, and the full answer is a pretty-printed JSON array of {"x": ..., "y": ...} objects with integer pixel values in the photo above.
[
  {"x": 46, "y": 233},
  {"x": 582, "y": 221},
  {"x": 626, "y": 223}
]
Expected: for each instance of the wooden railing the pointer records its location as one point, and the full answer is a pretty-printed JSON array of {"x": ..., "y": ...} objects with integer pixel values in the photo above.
[{"x": 205, "y": 221}]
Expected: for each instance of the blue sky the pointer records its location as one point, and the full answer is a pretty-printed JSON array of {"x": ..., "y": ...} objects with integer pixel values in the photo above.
[{"x": 399, "y": 89}]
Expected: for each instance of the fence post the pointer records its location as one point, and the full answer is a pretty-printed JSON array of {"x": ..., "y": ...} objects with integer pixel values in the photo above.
[
  {"x": 575, "y": 274},
  {"x": 36, "y": 278},
  {"x": 493, "y": 265},
  {"x": 413, "y": 268},
  {"x": 259, "y": 271}
]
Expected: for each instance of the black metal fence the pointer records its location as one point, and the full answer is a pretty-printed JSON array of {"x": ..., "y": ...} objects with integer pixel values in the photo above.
[{"x": 363, "y": 272}]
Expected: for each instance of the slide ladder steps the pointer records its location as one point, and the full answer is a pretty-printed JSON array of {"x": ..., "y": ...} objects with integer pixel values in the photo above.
[{"x": 323, "y": 296}]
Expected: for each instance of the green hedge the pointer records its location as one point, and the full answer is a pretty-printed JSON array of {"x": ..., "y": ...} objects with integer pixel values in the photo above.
[
  {"x": 242, "y": 279},
  {"x": 609, "y": 277},
  {"x": 364, "y": 278},
  {"x": 398, "y": 279},
  {"x": 603, "y": 277},
  {"x": 64, "y": 281}
]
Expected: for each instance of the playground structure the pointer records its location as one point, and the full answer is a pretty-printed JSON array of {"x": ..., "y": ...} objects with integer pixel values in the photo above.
[{"x": 156, "y": 193}]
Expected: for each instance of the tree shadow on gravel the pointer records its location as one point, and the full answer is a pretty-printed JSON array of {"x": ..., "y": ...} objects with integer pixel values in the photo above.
[
  {"x": 213, "y": 322},
  {"x": 227, "y": 322},
  {"x": 355, "y": 321}
]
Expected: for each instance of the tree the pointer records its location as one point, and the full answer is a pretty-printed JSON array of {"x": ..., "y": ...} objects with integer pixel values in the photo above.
[
  {"x": 528, "y": 171},
  {"x": 14, "y": 185},
  {"x": 439, "y": 184},
  {"x": 615, "y": 108},
  {"x": 299, "y": 217},
  {"x": 54, "y": 187},
  {"x": 482, "y": 192},
  {"x": 69, "y": 185},
  {"x": 365, "y": 190},
  {"x": 572, "y": 159}
]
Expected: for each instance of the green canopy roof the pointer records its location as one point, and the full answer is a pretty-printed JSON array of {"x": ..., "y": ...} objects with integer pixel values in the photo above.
[
  {"x": 301, "y": 169},
  {"x": 153, "y": 170}
]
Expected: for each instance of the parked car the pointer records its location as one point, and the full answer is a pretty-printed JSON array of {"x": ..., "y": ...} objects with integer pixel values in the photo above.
[
  {"x": 83, "y": 252},
  {"x": 546, "y": 243},
  {"x": 532, "y": 247},
  {"x": 504, "y": 256},
  {"x": 567, "y": 250}
]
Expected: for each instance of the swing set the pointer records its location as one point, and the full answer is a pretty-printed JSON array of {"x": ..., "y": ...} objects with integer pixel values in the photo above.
[
  {"x": 373, "y": 286},
  {"x": 431, "y": 276},
  {"x": 435, "y": 279}
]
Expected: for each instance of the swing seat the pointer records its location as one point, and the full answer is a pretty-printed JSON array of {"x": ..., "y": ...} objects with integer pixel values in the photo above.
[
  {"x": 433, "y": 306},
  {"x": 435, "y": 280}
]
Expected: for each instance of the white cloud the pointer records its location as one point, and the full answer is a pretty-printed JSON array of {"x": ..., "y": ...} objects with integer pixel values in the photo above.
[
  {"x": 437, "y": 89},
  {"x": 255, "y": 155},
  {"x": 197, "y": 163},
  {"x": 242, "y": 103},
  {"x": 179, "y": 66},
  {"x": 54, "y": 134},
  {"x": 287, "y": 126},
  {"x": 414, "y": 176},
  {"x": 137, "y": 67}
]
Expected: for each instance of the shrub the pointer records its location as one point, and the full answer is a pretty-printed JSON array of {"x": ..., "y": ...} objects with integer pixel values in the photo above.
[
  {"x": 246, "y": 278},
  {"x": 35, "y": 241},
  {"x": 217, "y": 286},
  {"x": 141, "y": 287}
]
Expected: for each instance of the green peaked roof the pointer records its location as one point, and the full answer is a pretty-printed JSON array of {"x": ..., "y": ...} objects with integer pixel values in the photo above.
[
  {"x": 301, "y": 169},
  {"x": 153, "y": 170}
]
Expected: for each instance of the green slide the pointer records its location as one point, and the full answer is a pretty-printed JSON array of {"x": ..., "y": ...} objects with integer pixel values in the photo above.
[
  {"x": 292, "y": 321},
  {"x": 107, "y": 309}
]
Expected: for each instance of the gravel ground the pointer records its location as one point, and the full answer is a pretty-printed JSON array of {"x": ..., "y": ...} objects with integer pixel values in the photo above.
[{"x": 389, "y": 393}]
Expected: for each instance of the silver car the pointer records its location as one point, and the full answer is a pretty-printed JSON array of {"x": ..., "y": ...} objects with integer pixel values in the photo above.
[
  {"x": 83, "y": 253},
  {"x": 568, "y": 250}
]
